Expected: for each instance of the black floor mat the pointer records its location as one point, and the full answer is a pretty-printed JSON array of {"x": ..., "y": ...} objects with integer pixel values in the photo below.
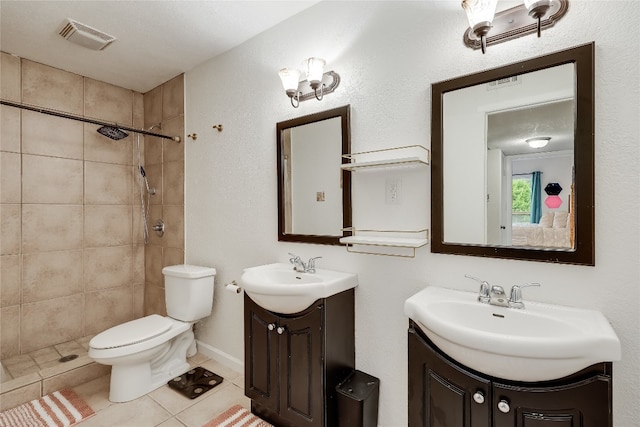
[{"x": 195, "y": 382}]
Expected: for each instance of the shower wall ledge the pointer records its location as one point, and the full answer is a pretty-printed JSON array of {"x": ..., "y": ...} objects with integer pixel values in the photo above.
[{"x": 37, "y": 384}]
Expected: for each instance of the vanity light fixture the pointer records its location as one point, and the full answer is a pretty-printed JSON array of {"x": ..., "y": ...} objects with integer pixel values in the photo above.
[
  {"x": 317, "y": 84},
  {"x": 537, "y": 9},
  {"x": 480, "y": 14},
  {"x": 486, "y": 27},
  {"x": 538, "y": 141}
]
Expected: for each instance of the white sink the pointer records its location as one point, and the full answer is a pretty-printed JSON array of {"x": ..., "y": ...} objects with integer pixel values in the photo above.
[
  {"x": 540, "y": 342},
  {"x": 279, "y": 288}
]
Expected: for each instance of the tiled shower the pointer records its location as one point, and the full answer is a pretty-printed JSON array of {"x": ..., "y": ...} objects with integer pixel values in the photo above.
[{"x": 73, "y": 259}]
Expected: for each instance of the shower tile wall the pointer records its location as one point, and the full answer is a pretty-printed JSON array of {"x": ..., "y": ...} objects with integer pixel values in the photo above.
[
  {"x": 164, "y": 165},
  {"x": 72, "y": 258}
]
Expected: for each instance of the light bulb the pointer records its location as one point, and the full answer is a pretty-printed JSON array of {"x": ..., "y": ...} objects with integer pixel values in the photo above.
[
  {"x": 314, "y": 68},
  {"x": 290, "y": 79}
]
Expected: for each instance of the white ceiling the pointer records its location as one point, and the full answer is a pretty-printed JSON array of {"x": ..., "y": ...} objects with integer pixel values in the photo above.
[
  {"x": 156, "y": 40},
  {"x": 508, "y": 130}
]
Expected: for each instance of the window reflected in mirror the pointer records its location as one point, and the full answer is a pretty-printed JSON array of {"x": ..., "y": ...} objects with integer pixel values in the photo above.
[
  {"x": 500, "y": 118},
  {"x": 501, "y": 139}
]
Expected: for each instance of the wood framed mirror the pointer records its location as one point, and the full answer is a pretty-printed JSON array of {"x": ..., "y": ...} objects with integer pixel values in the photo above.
[
  {"x": 314, "y": 193},
  {"x": 480, "y": 124}
]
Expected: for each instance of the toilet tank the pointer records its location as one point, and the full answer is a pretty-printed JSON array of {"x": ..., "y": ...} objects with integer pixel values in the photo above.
[{"x": 188, "y": 291}]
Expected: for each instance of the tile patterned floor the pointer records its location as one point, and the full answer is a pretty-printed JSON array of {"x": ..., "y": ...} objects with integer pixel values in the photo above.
[
  {"x": 25, "y": 364},
  {"x": 165, "y": 407}
]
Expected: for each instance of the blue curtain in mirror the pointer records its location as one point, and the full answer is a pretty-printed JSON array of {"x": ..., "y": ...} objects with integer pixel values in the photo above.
[{"x": 536, "y": 199}]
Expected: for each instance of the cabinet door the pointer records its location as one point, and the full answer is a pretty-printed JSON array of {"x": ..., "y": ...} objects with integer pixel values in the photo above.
[
  {"x": 261, "y": 355},
  {"x": 440, "y": 393},
  {"x": 582, "y": 404},
  {"x": 301, "y": 391}
]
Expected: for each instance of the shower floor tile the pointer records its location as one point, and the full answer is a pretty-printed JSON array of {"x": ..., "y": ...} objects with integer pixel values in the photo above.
[
  {"x": 84, "y": 342},
  {"x": 18, "y": 366},
  {"x": 71, "y": 347},
  {"x": 45, "y": 355},
  {"x": 44, "y": 358}
]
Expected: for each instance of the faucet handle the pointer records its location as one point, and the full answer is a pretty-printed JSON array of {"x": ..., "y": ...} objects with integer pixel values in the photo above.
[
  {"x": 298, "y": 264},
  {"x": 311, "y": 265},
  {"x": 515, "y": 298},
  {"x": 484, "y": 295}
]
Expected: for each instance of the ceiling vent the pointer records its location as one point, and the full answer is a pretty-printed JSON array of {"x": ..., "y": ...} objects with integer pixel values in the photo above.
[
  {"x": 509, "y": 81},
  {"x": 84, "y": 35}
]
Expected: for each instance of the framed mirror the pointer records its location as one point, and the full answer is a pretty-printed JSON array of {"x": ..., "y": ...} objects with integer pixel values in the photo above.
[
  {"x": 513, "y": 161},
  {"x": 314, "y": 193}
]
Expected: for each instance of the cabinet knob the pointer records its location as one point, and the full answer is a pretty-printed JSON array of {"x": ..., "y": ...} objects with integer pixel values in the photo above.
[
  {"x": 281, "y": 330},
  {"x": 271, "y": 326},
  {"x": 478, "y": 397},
  {"x": 503, "y": 406}
]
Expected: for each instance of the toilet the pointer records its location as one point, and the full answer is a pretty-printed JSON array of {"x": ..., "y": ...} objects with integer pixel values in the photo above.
[{"x": 146, "y": 353}]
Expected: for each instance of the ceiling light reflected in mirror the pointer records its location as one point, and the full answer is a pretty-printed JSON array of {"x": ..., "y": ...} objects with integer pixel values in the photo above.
[{"x": 538, "y": 142}]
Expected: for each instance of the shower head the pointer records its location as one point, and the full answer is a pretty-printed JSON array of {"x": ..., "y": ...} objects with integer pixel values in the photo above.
[{"x": 112, "y": 132}]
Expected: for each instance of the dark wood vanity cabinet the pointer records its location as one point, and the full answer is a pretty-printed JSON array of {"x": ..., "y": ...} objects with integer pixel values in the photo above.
[
  {"x": 584, "y": 403},
  {"x": 294, "y": 362},
  {"x": 443, "y": 393}
]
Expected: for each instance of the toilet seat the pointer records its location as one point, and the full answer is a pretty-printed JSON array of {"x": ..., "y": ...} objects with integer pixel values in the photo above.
[
  {"x": 132, "y": 332},
  {"x": 153, "y": 338}
]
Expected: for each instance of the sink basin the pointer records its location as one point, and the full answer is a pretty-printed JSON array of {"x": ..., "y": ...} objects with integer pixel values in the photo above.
[
  {"x": 279, "y": 288},
  {"x": 538, "y": 343}
]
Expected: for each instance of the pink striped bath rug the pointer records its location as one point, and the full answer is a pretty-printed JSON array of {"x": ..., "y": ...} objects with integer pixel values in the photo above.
[
  {"x": 58, "y": 409},
  {"x": 237, "y": 416}
]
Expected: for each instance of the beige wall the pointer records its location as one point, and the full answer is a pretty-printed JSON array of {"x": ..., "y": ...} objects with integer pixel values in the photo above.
[
  {"x": 164, "y": 165},
  {"x": 72, "y": 256}
]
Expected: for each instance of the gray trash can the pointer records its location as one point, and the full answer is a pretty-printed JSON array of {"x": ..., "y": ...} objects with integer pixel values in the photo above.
[{"x": 358, "y": 400}]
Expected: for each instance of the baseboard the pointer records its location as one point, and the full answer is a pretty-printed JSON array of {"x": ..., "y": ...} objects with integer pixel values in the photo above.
[{"x": 220, "y": 356}]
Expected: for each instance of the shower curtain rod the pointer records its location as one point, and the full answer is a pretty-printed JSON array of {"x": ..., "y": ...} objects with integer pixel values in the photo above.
[
  {"x": 523, "y": 173},
  {"x": 86, "y": 119}
]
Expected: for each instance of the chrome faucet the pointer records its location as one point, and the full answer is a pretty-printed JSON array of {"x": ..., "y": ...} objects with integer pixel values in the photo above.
[
  {"x": 495, "y": 295},
  {"x": 515, "y": 298},
  {"x": 490, "y": 294},
  {"x": 300, "y": 266},
  {"x": 484, "y": 294},
  {"x": 498, "y": 297},
  {"x": 311, "y": 265}
]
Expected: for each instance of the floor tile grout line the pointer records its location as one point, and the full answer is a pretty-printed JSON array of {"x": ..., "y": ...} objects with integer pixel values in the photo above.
[{"x": 228, "y": 392}]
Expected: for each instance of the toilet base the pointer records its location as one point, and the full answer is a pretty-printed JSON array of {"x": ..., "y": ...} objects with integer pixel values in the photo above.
[{"x": 133, "y": 380}]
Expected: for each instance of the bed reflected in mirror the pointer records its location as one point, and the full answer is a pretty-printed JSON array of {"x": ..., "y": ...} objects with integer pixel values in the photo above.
[{"x": 512, "y": 167}]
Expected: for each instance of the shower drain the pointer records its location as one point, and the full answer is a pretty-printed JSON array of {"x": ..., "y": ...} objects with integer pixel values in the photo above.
[{"x": 68, "y": 358}]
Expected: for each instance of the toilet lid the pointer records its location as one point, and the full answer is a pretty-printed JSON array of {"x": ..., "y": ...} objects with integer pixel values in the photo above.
[{"x": 132, "y": 332}]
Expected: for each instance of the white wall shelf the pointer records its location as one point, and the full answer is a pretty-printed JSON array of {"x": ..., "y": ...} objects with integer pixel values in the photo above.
[
  {"x": 410, "y": 155},
  {"x": 401, "y": 243}
]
